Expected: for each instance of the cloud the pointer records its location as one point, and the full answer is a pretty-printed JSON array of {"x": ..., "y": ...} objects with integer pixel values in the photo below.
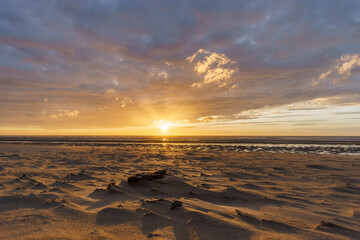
[
  {"x": 115, "y": 82},
  {"x": 159, "y": 73},
  {"x": 125, "y": 101},
  {"x": 251, "y": 114},
  {"x": 216, "y": 68},
  {"x": 163, "y": 75},
  {"x": 65, "y": 113},
  {"x": 347, "y": 63},
  {"x": 111, "y": 91},
  {"x": 341, "y": 69},
  {"x": 285, "y": 110},
  {"x": 166, "y": 124},
  {"x": 297, "y": 109},
  {"x": 208, "y": 119}
]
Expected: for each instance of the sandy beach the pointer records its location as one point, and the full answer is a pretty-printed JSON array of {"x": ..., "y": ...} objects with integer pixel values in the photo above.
[{"x": 60, "y": 192}]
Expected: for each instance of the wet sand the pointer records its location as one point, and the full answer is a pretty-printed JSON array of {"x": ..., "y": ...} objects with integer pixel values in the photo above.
[{"x": 60, "y": 192}]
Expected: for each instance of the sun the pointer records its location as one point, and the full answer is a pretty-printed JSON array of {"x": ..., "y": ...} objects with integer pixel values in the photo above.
[{"x": 164, "y": 127}]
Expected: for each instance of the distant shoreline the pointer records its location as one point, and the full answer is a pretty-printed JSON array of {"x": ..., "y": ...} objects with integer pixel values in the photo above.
[
  {"x": 213, "y": 144},
  {"x": 185, "y": 139}
]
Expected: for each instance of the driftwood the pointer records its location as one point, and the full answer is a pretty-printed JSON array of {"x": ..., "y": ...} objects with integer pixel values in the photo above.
[
  {"x": 175, "y": 204},
  {"x": 150, "y": 176},
  {"x": 113, "y": 188}
]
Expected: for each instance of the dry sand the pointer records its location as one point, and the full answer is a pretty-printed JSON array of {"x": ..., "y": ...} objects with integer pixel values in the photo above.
[{"x": 60, "y": 192}]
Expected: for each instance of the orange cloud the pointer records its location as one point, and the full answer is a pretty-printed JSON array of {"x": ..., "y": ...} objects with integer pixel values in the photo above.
[
  {"x": 65, "y": 113},
  {"x": 341, "y": 68},
  {"x": 216, "y": 68}
]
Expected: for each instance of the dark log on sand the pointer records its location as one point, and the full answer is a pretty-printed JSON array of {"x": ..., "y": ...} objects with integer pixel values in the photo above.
[
  {"x": 175, "y": 204},
  {"x": 113, "y": 188},
  {"x": 150, "y": 176}
]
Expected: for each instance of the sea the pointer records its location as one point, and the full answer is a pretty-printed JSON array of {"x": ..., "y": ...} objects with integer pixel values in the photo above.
[{"x": 275, "y": 144}]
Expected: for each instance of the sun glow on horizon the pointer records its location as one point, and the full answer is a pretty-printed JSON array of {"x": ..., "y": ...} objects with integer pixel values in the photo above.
[{"x": 166, "y": 125}]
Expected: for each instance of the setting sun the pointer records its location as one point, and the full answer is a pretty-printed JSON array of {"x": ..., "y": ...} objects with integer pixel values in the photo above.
[{"x": 164, "y": 127}]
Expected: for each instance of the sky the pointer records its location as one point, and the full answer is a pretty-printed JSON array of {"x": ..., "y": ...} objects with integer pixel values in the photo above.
[{"x": 217, "y": 67}]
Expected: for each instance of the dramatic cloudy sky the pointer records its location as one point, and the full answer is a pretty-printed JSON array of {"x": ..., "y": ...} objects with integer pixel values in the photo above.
[{"x": 180, "y": 67}]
